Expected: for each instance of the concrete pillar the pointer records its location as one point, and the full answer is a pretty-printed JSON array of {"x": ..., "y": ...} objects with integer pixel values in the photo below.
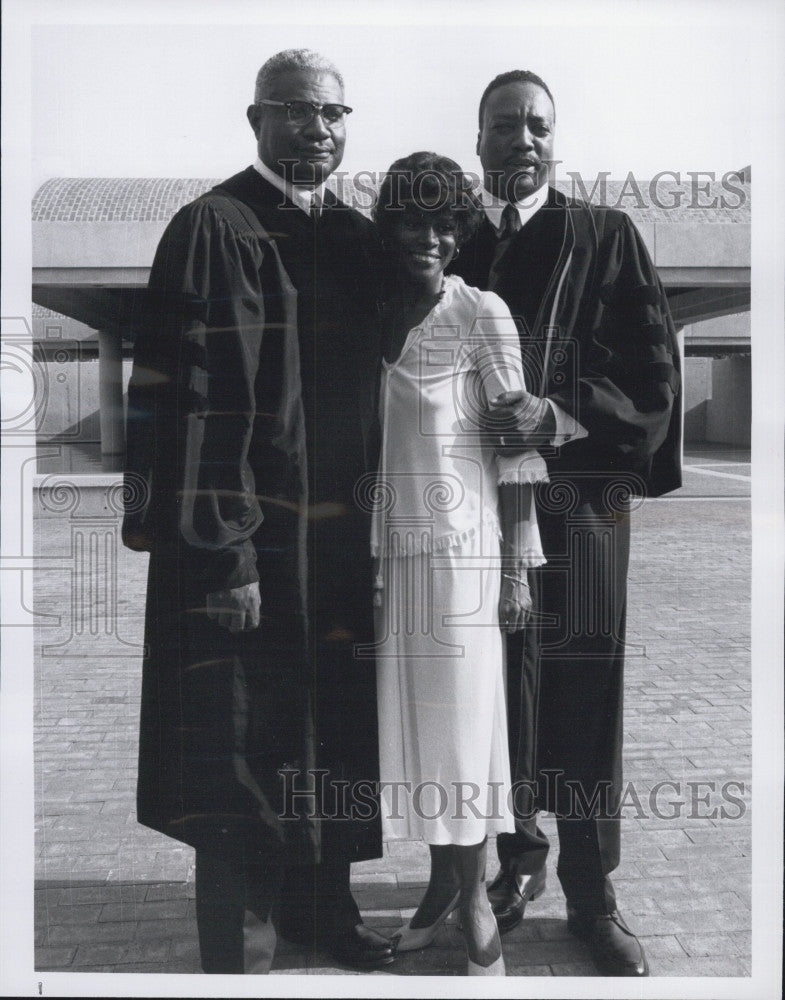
[
  {"x": 110, "y": 400},
  {"x": 683, "y": 355}
]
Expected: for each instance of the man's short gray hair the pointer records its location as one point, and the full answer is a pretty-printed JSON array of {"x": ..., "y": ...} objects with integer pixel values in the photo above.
[{"x": 292, "y": 61}]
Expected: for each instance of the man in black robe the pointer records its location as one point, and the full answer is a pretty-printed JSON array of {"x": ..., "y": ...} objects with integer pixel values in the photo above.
[
  {"x": 251, "y": 419},
  {"x": 602, "y": 363}
]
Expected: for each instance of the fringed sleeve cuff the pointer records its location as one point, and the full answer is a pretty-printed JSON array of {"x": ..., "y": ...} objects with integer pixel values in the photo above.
[{"x": 524, "y": 467}]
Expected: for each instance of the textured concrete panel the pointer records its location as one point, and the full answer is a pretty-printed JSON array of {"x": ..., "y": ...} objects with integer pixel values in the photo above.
[
  {"x": 702, "y": 245},
  {"x": 95, "y": 244}
]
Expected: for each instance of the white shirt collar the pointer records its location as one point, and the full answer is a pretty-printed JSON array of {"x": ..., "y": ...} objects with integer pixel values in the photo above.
[
  {"x": 530, "y": 205},
  {"x": 297, "y": 193}
]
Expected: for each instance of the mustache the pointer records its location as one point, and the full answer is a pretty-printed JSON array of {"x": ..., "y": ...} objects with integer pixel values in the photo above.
[{"x": 523, "y": 161}]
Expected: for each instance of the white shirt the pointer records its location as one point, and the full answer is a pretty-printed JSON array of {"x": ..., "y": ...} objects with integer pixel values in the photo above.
[
  {"x": 300, "y": 194},
  {"x": 567, "y": 427},
  {"x": 494, "y": 206}
]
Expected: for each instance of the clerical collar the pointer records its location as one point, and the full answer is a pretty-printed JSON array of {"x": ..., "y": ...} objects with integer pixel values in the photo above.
[
  {"x": 300, "y": 195},
  {"x": 530, "y": 205}
]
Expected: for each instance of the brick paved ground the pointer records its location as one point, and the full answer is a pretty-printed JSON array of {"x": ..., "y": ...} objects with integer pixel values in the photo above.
[{"x": 113, "y": 896}]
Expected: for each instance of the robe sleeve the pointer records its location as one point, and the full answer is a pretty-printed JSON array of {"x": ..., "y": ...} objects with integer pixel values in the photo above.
[
  {"x": 193, "y": 391},
  {"x": 628, "y": 366}
]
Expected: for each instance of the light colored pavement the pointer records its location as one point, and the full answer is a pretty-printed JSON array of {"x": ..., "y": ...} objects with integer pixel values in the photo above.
[{"x": 114, "y": 896}]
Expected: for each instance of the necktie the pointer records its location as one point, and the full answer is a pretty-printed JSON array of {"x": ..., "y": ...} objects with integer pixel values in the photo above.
[
  {"x": 511, "y": 221},
  {"x": 315, "y": 208},
  {"x": 511, "y": 224}
]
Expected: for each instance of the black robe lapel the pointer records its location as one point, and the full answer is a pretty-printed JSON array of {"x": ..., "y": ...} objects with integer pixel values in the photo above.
[{"x": 528, "y": 268}]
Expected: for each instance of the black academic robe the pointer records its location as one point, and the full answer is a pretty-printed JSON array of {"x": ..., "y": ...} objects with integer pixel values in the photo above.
[
  {"x": 251, "y": 419},
  {"x": 596, "y": 338}
]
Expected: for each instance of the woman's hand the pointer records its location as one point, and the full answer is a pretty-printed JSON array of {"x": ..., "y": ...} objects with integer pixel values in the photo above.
[{"x": 515, "y": 602}]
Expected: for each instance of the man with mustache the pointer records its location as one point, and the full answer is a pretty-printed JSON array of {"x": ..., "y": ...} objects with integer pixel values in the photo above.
[
  {"x": 602, "y": 361},
  {"x": 251, "y": 418}
]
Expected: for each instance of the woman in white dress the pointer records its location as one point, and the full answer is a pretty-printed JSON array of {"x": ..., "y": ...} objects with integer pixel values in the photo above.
[{"x": 454, "y": 532}]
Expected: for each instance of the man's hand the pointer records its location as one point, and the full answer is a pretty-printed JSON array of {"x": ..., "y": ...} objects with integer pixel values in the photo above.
[
  {"x": 237, "y": 609},
  {"x": 515, "y": 603},
  {"x": 518, "y": 411}
]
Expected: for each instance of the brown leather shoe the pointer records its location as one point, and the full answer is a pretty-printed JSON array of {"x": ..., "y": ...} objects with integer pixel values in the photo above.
[
  {"x": 614, "y": 948},
  {"x": 508, "y": 895}
]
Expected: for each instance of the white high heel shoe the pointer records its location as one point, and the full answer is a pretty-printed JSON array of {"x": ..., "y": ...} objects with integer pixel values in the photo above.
[
  {"x": 494, "y": 969},
  {"x": 413, "y": 939}
]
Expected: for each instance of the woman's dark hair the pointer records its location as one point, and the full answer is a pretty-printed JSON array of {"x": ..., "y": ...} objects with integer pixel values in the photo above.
[{"x": 428, "y": 182}]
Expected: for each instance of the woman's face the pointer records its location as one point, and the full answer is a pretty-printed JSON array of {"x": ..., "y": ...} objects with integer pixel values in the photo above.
[{"x": 423, "y": 243}]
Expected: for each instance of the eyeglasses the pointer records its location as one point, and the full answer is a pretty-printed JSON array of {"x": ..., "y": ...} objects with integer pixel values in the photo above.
[{"x": 304, "y": 112}]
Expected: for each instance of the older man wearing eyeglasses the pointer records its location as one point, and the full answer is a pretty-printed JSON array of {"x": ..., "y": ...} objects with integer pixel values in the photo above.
[{"x": 251, "y": 418}]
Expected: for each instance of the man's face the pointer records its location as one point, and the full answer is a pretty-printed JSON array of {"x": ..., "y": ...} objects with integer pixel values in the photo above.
[
  {"x": 303, "y": 154},
  {"x": 515, "y": 143}
]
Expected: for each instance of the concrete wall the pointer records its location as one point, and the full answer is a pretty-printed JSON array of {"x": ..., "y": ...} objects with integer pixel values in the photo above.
[
  {"x": 733, "y": 329},
  {"x": 701, "y": 244},
  {"x": 95, "y": 244},
  {"x": 717, "y": 400},
  {"x": 71, "y": 410},
  {"x": 69, "y": 433},
  {"x": 717, "y": 390},
  {"x": 728, "y": 415},
  {"x": 697, "y": 393}
]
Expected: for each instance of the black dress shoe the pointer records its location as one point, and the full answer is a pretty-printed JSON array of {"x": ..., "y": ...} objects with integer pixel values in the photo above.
[
  {"x": 614, "y": 948},
  {"x": 508, "y": 895},
  {"x": 361, "y": 948}
]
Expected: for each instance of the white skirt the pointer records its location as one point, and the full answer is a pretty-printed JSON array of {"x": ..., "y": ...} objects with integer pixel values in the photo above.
[{"x": 444, "y": 760}]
